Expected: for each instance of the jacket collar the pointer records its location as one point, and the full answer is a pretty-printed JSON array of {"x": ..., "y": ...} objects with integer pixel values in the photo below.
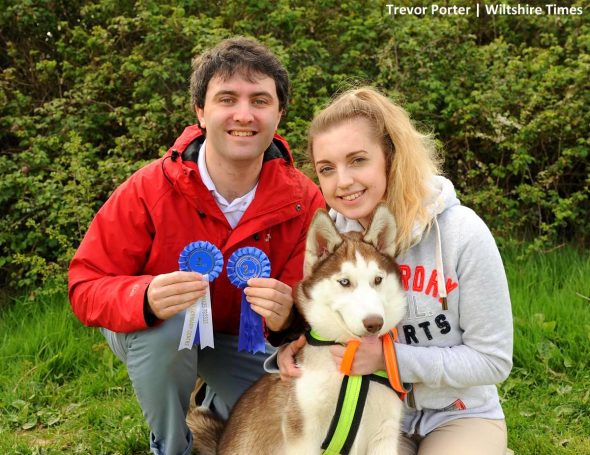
[
  {"x": 189, "y": 143},
  {"x": 279, "y": 189}
]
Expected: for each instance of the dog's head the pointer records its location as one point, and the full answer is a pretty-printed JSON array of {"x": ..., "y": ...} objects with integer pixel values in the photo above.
[{"x": 351, "y": 286}]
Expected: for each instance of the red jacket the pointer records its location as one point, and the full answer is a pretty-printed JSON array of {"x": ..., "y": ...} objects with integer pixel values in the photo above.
[{"x": 142, "y": 228}]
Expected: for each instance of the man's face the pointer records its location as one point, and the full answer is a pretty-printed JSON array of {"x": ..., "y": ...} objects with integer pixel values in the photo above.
[{"x": 241, "y": 118}]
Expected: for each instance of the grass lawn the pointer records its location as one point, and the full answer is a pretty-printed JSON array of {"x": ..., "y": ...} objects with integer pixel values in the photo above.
[
  {"x": 63, "y": 391},
  {"x": 547, "y": 396},
  {"x": 61, "y": 388}
]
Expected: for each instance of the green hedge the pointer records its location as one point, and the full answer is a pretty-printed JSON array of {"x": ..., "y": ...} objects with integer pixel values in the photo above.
[{"x": 90, "y": 91}]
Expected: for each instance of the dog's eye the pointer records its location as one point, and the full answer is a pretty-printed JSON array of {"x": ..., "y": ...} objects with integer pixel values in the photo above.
[
  {"x": 378, "y": 280},
  {"x": 345, "y": 282}
]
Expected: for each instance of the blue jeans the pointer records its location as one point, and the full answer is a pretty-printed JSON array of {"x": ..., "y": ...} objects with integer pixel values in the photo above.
[{"x": 164, "y": 377}]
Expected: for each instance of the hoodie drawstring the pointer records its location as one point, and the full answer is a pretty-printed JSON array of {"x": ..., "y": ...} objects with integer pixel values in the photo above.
[{"x": 440, "y": 276}]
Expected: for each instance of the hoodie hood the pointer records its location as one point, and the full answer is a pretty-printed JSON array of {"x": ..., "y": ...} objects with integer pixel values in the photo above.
[{"x": 443, "y": 196}]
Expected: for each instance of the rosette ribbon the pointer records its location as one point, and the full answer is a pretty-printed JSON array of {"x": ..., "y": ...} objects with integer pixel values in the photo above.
[
  {"x": 206, "y": 259},
  {"x": 246, "y": 263}
]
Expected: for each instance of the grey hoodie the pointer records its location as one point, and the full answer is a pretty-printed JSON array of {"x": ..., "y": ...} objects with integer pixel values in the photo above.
[{"x": 455, "y": 357}]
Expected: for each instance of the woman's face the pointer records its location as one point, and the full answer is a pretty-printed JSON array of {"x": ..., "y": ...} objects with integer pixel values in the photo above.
[{"x": 351, "y": 168}]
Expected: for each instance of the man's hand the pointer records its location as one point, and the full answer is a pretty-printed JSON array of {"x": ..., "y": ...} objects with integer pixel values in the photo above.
[
  {"x": 286, "y": 358},
  {"x": 272, "y": 300},
  {"x": 171, "y": 293},
  {"x": 368, "y": 358}
]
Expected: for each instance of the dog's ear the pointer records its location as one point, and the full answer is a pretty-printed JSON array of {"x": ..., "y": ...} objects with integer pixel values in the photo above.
[
  {"x": 382, "y": 231},
  {"x": 322, "y": 239}
]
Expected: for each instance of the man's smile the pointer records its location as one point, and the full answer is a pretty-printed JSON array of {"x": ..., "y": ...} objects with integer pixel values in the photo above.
[{"x": 242, "y": 133}]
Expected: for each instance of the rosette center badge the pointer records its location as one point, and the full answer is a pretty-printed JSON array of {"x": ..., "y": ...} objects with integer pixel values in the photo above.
[
  {"x": 246, "y": 263},
  {"x": 246, "y": 268},
  {"x": 201, "y": 257}
]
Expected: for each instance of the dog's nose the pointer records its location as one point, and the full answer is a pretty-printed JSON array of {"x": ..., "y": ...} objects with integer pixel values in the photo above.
[{"x": 373, "y": 323}]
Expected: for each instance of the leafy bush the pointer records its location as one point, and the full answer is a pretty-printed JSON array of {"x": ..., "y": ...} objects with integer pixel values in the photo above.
[{"x": 91, "y": 91}]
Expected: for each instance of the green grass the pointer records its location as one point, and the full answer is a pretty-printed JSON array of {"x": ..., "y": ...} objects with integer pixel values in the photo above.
[
  {"x": 61, "y": 388},
  {"x": 63, "y": 391},
  {"x": 547, "y": 396}
]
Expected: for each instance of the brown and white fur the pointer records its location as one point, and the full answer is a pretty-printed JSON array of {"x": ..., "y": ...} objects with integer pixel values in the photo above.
[{"x": 351, "y": 289}]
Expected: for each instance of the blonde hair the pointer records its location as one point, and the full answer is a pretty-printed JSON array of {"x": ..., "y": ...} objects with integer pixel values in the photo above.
[{"x": 411, "y": 157}]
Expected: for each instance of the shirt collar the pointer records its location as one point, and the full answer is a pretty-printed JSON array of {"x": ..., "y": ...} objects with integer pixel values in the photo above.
[{"x": 239, "y": 204}]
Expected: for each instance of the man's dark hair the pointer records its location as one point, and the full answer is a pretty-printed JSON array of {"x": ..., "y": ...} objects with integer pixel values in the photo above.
[{"x": 239, "y": 55}]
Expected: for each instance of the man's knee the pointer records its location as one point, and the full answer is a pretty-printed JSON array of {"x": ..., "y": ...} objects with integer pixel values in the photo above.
[
  {"x": 160, "y": 340},
  {"x": 154, "y": 352}
]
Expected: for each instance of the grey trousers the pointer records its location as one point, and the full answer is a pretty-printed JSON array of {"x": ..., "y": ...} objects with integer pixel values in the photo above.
[{"x": 164, "y": 377}]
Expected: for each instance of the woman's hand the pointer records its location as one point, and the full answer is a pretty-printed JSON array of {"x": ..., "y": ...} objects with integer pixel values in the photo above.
[
  {"x": 286, "y": 359},
  {"x": 368, "y": 358}
]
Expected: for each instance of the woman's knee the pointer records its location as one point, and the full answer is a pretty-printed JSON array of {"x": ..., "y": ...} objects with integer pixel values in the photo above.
[{"x": 467, "y": 436}]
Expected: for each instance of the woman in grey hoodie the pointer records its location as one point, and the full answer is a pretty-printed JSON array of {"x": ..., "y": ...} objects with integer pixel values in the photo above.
[{"x": 455, "y": 343}]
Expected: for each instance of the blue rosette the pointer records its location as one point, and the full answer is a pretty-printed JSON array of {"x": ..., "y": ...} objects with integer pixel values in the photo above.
[
  {"x": 201, "y": 257},
  {"x": 204, "y": 258},
  {"x": 243, "y": 264}
]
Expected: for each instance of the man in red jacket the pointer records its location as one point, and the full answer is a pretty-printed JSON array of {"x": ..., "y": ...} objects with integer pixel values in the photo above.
[{"x": 231, "y": 182}]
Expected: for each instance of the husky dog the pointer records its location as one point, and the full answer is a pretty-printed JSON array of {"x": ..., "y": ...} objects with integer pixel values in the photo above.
[{"x": 351, "y": 289}]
